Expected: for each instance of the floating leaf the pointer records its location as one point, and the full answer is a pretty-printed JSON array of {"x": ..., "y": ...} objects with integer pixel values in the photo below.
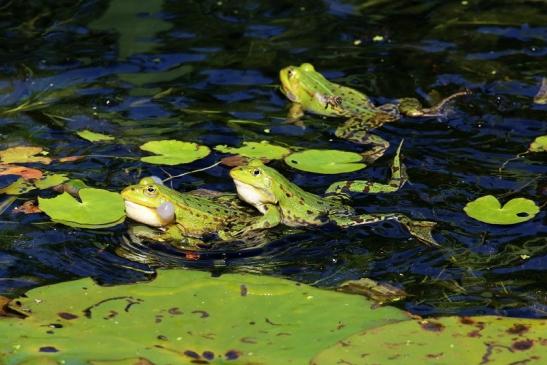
[
  {"x": 173, "y": 152},
  {"x": 539, "y": 144},
  {"x": 94, "y": 136},
  {"x": 185, "y": 317},
  {"x": 70, "y": 158},
  {"x": 49, "y": 180},
  {"x": 326, "y": 161},
  {"x": 488, "y": 209},
  {"x": 22, "y": 154},
  {"x": 262, "y": 149},
  {"x": 98, "y": 208},
  {"x": 19, "y": 187},
  {"x": 28, "y": 207},
  {"x": 444, "y": 341},
  {"x": 541, "y": 96},
  {"x": 25, "y": 172}
]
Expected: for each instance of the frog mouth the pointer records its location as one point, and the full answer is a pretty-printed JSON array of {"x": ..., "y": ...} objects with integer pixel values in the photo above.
[{"x": 144, "y": 214}]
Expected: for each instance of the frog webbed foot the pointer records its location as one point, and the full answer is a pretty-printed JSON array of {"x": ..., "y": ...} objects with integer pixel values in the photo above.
[
  {"x": 412, "y": 107},
  {"x": 422, "y": 230}
]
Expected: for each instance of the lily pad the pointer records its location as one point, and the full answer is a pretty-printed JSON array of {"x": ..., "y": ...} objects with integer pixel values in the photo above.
[
  {"x": 173, "y": 152},
  {"x": 444, "y": 341},
  {"x": 488, "y": 209},
  {"x": 326, "y": 161},
  {"x": 94, "y": 136},
  {"x": 261, "y": 149},
  {"x": 20, "y": 186},
  {"x": 49, "y": 179},
  {"x": 98, "y": 208},
  {"x": 185, "y": 317},
  {"x": 539, "y": 144},
  {"x": 22, "y": 154}
]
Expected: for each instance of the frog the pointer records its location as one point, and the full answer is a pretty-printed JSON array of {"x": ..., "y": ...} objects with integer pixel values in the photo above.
[
  {"x": 283, "y": 202},
  {"x": 189, "y": 217},
  {"x": 310, "y": 91}
]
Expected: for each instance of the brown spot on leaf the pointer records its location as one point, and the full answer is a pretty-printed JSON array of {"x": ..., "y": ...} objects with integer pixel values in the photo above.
[
  {"x": 203, "y": 314},
  {"x": 270, "y": 322},
  {"x": 435, "y": 356},
  {"x": 247, "y": 340},
  {"x": 175, "y": 311},
  {"x": 518, "y": 329},
  {"x": 67, "y": 316},
  {"x": 243, "y": 290},
  {"x": 466, "y": 320},
  {"x": 432, "y": 326},
  {"x": 522, "y": 345},
  {"x": 475, "y": 333}
]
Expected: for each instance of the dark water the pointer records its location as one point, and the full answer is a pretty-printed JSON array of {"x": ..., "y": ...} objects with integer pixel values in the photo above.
[{"x": 206, "y": 71}]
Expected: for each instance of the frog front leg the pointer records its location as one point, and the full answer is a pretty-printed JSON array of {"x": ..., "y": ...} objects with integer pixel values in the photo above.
[
  {"x": 296, "y": 112},
  {"x": 398, "y": 178},
  {"x": 422, "y": 230},
  {"x": 271, "y": 217}
]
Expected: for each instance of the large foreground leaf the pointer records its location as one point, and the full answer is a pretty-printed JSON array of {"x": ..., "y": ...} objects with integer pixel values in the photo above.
[
  {"x": 445, "y": 341},
  {"x": 185, "y": 317}
]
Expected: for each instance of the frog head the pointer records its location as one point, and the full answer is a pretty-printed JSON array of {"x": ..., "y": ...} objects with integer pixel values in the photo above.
[
  {"x": 254, "y": 183},
  {"x": 301, "y": 83},
  {"x": 148, "y": 202}
]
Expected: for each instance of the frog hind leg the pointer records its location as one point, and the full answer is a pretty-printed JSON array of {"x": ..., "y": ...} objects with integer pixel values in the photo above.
[
  {"x": 398, "y": 179},
  {"x": 357, "y": 130},
  {"x": 412, "y": 107},
  {"x": 296, "y": 112},
  {"x": 422, "y": 230}
]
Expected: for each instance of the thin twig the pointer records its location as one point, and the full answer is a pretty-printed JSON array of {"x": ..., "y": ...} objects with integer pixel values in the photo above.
[{"x": 171, "y": 177}]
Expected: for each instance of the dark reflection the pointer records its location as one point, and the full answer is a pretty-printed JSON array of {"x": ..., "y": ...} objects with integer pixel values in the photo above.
[{"x": 206, "y": 71}]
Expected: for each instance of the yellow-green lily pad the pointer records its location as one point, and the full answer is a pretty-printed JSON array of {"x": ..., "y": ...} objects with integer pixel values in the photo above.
[
  {"x": 98, "y": 208},
  {"x": 173, "y": 152},
  {"x": 261, "y": 149},
  {"x": 539, "y": 144},
  {"x": 20, "y": 186},
  {"x": 444, "y": 341},
  {"x": 94, "y": 136},
  {"x": 50, "y": 179},
  {"x": 326, "y": 161},
  {"x": 23, "y": 154},
  {"x": 488, "y": 209}
]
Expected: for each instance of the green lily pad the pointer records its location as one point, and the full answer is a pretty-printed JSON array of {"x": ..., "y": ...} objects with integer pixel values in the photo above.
[
  {"x": 185, "y": 317},
  {"x": 488, "y": 209},
  {"x": 444, "y": 341},
  {"x": 173, "y": 152},
  {"x": 49, "y": 179},
  {"x": 94, "y": 136},
  {"x": 98, "y": 208},
  {"x": 20, "y": 186},
  {"x": 539, "y": 144},
  {"x": 326, "y": 161},
  {"x": 261, "y": 149}
]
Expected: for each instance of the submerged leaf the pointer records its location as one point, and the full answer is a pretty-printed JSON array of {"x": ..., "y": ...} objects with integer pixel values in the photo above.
[
  {"x": 326, "y": 161},
  {"x": 25, "y": 172},
  {"x": 488, "y": 209},
  {"x": 22, "y": 154},
  {"x": 98, "y": 208},
  {"x": 187, "y": 317},
  {"x": 173, "y": 152},
  {"x": 541, "y": 96},
  {"x": 539, "y": 144},
  {"x": 94, "y": 136},
  {"x": 263, "y": 150},
  {"x": 19, "y": 187}
]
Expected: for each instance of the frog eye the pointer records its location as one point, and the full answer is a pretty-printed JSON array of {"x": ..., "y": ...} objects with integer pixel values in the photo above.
[
  {"x": 150, "y": 190},
  {"x": 256, "y": 172}
]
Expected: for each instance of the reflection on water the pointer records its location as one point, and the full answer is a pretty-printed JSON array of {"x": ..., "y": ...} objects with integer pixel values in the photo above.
[{"x": 206, "y": 71}]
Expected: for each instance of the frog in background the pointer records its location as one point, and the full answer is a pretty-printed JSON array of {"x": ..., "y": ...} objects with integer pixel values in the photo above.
[{"x": 310, "y": 91}]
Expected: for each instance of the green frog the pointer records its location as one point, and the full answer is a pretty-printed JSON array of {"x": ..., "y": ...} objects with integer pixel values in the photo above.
[
  {"x": 312, "y": 92},
  {"x": 188, "y": 216},
  {"x": 281, "y": 201}
]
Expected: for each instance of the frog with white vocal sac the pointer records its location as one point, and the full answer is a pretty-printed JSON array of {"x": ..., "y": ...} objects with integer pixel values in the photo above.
[
  {"x": 310, "y": 91},
  {"x": 281, "y": 201}
]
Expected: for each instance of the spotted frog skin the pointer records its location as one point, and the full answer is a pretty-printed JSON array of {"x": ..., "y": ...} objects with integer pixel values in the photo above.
[
  {"x": 312, "y": 92},
  {"x": 281, "y": 201},
  {"x": 194, "y": 214}
]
